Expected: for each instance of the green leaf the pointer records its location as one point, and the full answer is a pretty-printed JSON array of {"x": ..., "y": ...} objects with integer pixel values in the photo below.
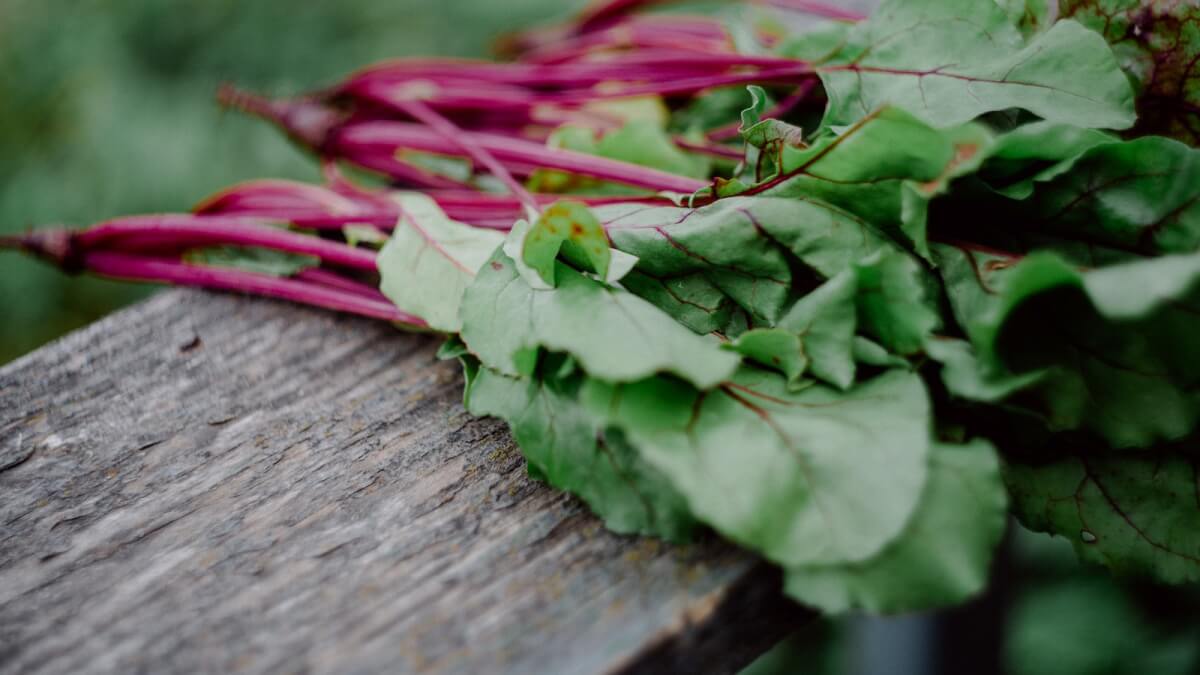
[
  {"x": 252, "y": 259},
  {"x": 1037, "y": 152},
  {"x": 1158, "y": 44},
  {"x": 690, "y": 299},
  {"x": 951, "y": 62},
  {"x": 893, "y": 303},
  {"x": 811, "y": 477},
  {"x": 638, "y": 141},
  {"x": 1135, "y": 514},
  {"x": 567, "y": 448},
  {"x": 1141, "y": 195},
  {"x": 613, "y": 333},
  {"x": 777, "y": 349},
  {"x": 742, "y": 244},
  {"x": 1089, "y": 625},
  {"x": 1029, "y": 16},
  {"x": 572, "y": 228},
  {"x": 366, "y": 236},
  {"x": 645, "y": 143},
  {"x": 965, "y": 377},
  {"x": 1115, "y": 345},
  {"x": 818, "y": 331},
  {"x": 763, "y": 133},
  {"x": 884, "y": 169},
  {"x": 870, "y": 353},
  {"x": 430, "y": 260},
  {"x": 944, "y": 554}
]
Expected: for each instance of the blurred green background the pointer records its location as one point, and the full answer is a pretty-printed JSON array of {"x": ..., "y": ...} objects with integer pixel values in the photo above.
[{"x": 106, "y": 108}]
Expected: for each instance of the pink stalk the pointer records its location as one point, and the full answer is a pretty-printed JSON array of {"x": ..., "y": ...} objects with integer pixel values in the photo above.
[
  {"x": 631, "y": 36},
  {"x": 605, "y": 14},
  {"x": 816, "y": 8},
  {"x": 783, "y": 75},
  {"x": 136, "y": 268},
  {"x": 406, "y": 173},
  {"x": 466, "y": 142},
  {"x": 711, "y": 149},
  {"x": 322, "y": 277},
  {"x": 189, "y": 231},
  {"x": 355, "y": 140},
  {"x": 517, "y": 83},
  {"x": 608, "y": 12}
]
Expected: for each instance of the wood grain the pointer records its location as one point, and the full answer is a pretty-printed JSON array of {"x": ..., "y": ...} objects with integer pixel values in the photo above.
[{"x": 204, "y": 483}]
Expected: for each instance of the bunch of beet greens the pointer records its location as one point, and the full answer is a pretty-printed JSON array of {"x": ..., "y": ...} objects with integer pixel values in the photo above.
[{"x": 841, "y": 289}]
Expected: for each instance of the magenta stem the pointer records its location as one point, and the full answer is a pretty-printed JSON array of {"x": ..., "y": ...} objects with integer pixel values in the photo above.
[
  {"x": 383, "y": 136},
  {"x": 466, "y": 142},
  {"x": 218, "y": 230},
  {"x": 333, "y": 280},
  {"x": 135, "y": 268},
  {"x": 816, "y": 8},
  {"x": 711, "y": 149}
]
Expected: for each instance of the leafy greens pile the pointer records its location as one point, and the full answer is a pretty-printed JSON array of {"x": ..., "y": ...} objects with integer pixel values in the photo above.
[{"x": 967, "y": 281}]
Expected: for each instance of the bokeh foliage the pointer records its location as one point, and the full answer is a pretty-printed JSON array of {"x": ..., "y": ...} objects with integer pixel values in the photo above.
[{"x": 106, "y": 108}]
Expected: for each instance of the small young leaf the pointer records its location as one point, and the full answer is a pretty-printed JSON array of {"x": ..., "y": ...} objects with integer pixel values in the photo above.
[
  {"x": 767, "y": 133},
  {"x": 572, "y": 228}
]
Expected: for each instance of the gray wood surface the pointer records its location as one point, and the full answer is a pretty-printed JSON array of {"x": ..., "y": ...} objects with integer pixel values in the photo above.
[{"x": 204, "y": 483}]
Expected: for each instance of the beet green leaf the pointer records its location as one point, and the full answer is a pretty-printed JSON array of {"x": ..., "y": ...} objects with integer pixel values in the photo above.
[
  {"x": 567, "y": 448},
  {"x": 951, "y": 62},
  {"x": 430, "y": 260},
  {"x": 817, "y": 476},
  {"x": 613, "y": 333},
  {"x": 943, "y": 556},
  {"x": 1135, "y": 514}
]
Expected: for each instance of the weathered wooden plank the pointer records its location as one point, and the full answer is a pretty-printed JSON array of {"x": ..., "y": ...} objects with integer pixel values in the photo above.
[{"x": 203, "y": 483}]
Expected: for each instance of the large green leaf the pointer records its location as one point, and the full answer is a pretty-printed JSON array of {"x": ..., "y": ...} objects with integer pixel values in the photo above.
[
  {"x": 1116, "y": 345},
  {"x": 430, "y": 260},
  {"x": 719, "y": 242},
  {"x": 613, "y": 333},
  {"x": 565, "y": 447},
  {"x": 1158, "y": 45},
  {"x": 743, "y": 244},
  {"x": 950, "y": 62},
  {"x": 818, "y": 476},
  {"x": 690, "y": 299},
  {"x": 1135, "y": 514},
  {"x": 942, "y": 557},
  {"x": 1141, "y": 195},
  {"x": 884, "y": 169},
  {"x": 1037, "y": 152}
]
